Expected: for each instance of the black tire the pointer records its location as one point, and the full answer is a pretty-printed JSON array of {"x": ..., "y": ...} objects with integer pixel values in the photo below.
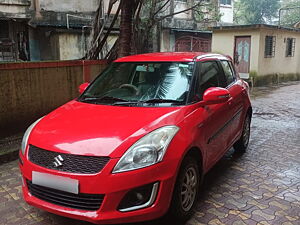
[
  {"x": 181, "y": 210},
  {"x": 242, "y": 144}
]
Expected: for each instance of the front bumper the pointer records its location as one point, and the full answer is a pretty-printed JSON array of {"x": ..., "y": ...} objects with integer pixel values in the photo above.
[{"x": 114, "y": 187}]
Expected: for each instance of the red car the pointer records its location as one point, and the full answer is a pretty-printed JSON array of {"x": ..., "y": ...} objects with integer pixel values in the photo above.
[{"x": 137, "y": 142}]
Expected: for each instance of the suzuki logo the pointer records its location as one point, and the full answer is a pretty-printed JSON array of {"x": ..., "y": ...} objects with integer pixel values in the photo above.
[{"x": 58, "y": 161}]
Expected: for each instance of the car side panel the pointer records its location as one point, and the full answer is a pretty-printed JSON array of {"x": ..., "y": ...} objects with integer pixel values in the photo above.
[{"x": 236, "y": 106}]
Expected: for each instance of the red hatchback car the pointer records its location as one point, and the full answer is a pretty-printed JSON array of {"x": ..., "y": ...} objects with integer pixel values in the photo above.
[{"x": 137, "y": 142}]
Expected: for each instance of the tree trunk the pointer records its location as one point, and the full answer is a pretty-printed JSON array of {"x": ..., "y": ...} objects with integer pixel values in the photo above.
[{"x": 126, "y": 28}]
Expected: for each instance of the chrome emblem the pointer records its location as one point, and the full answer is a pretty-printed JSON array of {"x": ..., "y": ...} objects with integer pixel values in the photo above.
[{"x": 58, "y": 161}]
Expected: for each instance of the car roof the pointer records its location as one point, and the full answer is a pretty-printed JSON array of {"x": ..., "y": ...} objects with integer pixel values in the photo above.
[{"x": 171, "y": 57}]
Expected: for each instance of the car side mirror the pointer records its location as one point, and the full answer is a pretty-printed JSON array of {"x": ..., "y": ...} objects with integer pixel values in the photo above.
[
  {"x": 83, "y": 86},
  {"x": 216, "y": 95}
]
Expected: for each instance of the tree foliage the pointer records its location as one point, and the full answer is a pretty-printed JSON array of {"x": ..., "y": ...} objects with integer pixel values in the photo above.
[
  {"x": 207, "y": 12},
  {"x": 140, "y": 23},
  {"x": 290, "y": 13},
  {"x": 256, "y": 11}
]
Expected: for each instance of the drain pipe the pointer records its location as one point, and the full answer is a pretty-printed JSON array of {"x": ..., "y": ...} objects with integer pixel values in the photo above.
[
  {"x": 35, "y": 5},
  {"x": 83, "y": 38}
]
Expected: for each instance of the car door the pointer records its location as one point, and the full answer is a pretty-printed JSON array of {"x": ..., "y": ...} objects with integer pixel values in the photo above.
[
  {"x": 214, "y": 129},
  {"x": 235, "y": 104}
]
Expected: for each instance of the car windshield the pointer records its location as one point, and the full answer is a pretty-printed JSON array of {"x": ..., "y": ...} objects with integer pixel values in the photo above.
[{"x": 141, "y": 83}]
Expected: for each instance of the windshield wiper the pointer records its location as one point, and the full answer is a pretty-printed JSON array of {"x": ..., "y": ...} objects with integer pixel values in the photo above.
[
  {"x": 150, "y": 101},
  {"x": 103, "y": 98},
  {"x": 160, "y": 100},
  {"x": 119, "y": 101}
]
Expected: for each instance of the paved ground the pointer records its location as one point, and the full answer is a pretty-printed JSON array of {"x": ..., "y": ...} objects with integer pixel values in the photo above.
[{"x": 259, "y": 187}]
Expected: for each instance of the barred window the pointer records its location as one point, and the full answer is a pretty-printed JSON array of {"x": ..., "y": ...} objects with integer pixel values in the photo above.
[
  {"x": 270, "y": 43},
  {"x": 225, "y": 2},
  {"x": 290, "y": 47}
]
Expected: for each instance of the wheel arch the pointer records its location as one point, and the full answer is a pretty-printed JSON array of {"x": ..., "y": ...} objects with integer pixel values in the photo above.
[
  {"x": 193, "y": 153},
  {"x": 249, "y": 112},
  {"x": 197, "y": 154}
]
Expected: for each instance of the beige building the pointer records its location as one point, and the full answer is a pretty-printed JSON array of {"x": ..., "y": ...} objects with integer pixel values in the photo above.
[{"x": 259, "y": 49}]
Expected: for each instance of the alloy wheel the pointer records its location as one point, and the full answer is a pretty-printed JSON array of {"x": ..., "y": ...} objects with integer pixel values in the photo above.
[
  {"x": 246, "y": 131},
  {"x": 189, "y": 189}
]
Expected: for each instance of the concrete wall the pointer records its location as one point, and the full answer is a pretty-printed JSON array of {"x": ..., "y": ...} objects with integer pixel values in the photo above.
[
  {"x": 280, "y": 63},
  {"x": 49, "y": 45},
  {"x": 165, "y": 41},
  {"x": 114, "y": 9},
  {"x": 179, "y": 6},
  {"x": 69, "y": 5},
  {"x": 223, "y": 42},
  {"x": 71, "y": 46},
  {"x": 14, "y": 8},
  {"x": 31, "y": 90}
]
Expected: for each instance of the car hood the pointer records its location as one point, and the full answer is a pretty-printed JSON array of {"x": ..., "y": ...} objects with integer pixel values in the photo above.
[{"x": 99, "y": 130}]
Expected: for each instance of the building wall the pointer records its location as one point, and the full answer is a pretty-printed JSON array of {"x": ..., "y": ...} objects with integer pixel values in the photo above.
[
  {"x": 43, "y": 45},
  {"x": 280, "y": 63},
  {"x": 114, "y": 8},
  {"x": 14, "y": 8},
  {"x": 179, "y": 6},
  {"x": 223, "y": 42},
  {"x": 165, "y": 41},
  {"x": 227, "y": 13},
  {"x": 225, "y": 10},
  {"x": 71, "y": 46},
  {"x": 69, "y": 5},
  {"x": 48, "y": 45}
]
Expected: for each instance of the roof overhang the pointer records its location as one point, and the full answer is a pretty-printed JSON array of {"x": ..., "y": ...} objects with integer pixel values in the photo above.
[
  {"x": 192, "y": 31},
  {"x": 253, "y": 27}
]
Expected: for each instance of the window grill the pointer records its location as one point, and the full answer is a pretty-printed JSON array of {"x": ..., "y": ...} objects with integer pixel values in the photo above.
[
  {"x": 270, "y": 43},
  {"x": 290, "y": 47}
]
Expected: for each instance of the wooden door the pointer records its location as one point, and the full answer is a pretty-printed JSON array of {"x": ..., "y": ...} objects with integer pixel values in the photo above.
[{"x": 242, "y": 55}]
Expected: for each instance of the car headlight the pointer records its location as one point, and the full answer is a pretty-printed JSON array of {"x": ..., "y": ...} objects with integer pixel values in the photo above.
[
  {"x": 26, "y": 136},
  {"x": 147, "y": 151}
]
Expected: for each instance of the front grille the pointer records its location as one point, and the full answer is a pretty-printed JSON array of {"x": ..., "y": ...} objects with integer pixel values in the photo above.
[
  {"x": 70, "y": 163},
  {"x": 90, "y": 202}
]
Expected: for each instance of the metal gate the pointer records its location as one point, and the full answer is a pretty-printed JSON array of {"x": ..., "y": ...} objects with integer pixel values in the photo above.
[{"x": 192, "y": 44}]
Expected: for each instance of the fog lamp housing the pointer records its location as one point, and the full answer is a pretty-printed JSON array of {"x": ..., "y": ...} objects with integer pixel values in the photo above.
[{"x": 139, "y": 198}]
